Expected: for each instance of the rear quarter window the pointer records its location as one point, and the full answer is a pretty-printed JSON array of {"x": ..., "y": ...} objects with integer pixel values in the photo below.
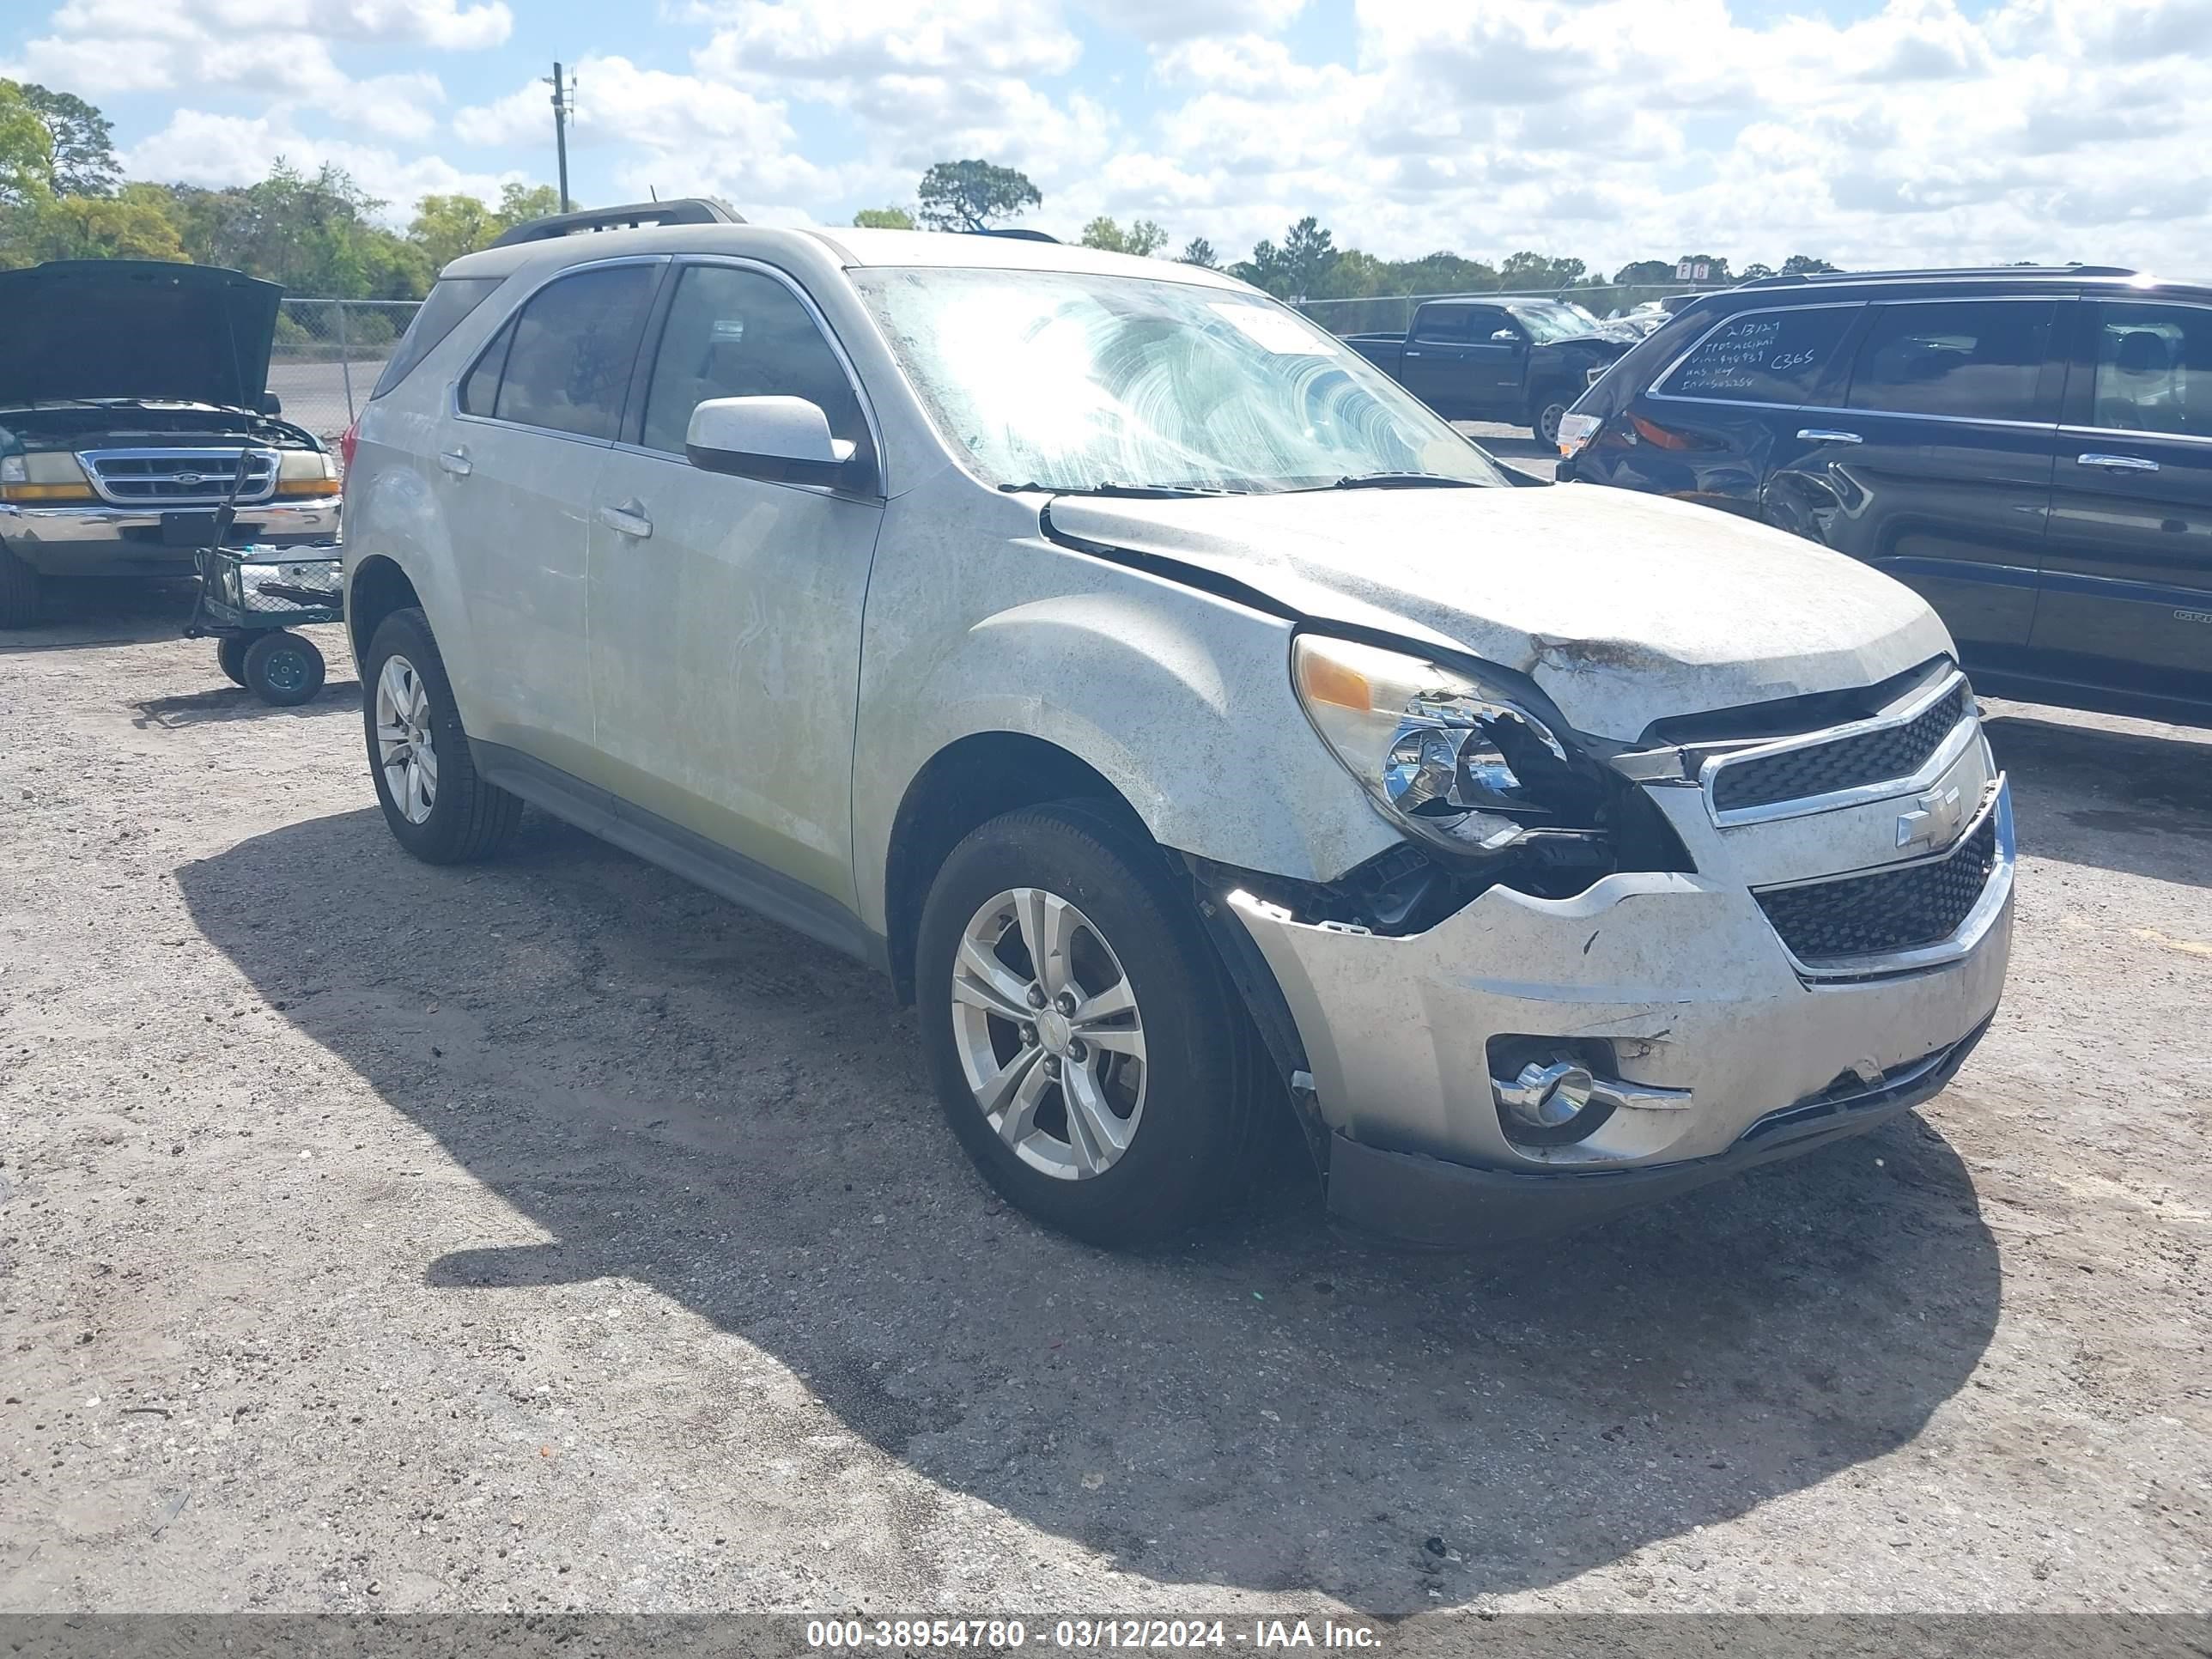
[
  {"x": 1761, "y": 356},
  {"x": 451, "y": 299}
]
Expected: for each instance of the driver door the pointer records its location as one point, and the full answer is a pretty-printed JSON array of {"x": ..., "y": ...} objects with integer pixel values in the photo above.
[{"x": 726, "y": 612}]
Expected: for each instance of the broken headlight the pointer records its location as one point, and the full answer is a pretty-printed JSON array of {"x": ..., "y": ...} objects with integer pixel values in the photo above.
[{"x": 1458, "y": 764}]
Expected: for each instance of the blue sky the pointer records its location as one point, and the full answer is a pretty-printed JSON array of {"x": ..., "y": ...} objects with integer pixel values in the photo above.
[{"x": 1862, "y": 131}]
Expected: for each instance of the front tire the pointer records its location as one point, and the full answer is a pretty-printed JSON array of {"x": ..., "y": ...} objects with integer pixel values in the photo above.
[
  {"x": 1087, "y": 1048},
  {"x": 230, "y": 657},
  {"x": 434, "y": 802},
  {"x": 19, "y": 591}
]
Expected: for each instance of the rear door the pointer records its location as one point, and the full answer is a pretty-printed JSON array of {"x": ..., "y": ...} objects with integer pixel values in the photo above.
[
  {"x": 2127, "y": 589},
  {"x": 534, "y": 417},
  {"x": 1433, "y": 362},
  {"x": 1935, "y": 466}
]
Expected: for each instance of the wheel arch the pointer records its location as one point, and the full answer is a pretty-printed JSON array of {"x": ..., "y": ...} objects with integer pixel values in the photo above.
[
  {"x": 378, "y": 587},
  {"x": 961, "y": 787}
]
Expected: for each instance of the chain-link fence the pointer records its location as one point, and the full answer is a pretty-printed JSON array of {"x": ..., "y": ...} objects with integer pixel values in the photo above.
[
  {"x": 1387, "y": 312},
  {"x": 328, "y": 354}
]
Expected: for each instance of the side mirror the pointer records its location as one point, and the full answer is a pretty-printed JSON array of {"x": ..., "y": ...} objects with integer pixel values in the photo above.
[
  {"x": 1505, "y": 336},
  {"x": 777, "y": 440},
  {"x": 270, "y": 404}
]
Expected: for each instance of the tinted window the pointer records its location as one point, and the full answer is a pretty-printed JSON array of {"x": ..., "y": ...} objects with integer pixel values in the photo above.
[
  {"x": 736, "y": 334},
  {"x": 450, "y": 300},
  {"x": 2154, "y": 369},
  {"x": 1762, "y": 357},
  {"x": 1441, "y": 323},
  {"x": 480, "y": 385},
  {"x": 1974, "y": 357},
  {"x": 575, "y": 344},
  {"x": 1483, "y": 321}
]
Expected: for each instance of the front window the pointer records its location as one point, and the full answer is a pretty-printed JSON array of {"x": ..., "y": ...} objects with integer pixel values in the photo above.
[
  {"x": 1064, "y": 381},
  {"x": 1545, "y": 323}
]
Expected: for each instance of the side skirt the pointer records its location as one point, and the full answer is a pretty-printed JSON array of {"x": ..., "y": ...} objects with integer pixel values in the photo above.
[{"x": 681, "y": 852}]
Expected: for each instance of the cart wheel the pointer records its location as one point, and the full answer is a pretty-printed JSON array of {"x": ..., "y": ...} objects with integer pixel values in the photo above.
[
  {"x": 283, "y": 669},
  {"x": 230, "y": 657}
]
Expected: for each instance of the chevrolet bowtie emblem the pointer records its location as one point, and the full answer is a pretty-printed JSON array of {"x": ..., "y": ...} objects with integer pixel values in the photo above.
[{"x": 1934, "y": 818}]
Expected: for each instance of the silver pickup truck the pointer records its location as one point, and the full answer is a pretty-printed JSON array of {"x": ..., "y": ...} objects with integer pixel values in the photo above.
[
  {"x": 1193, "y": 726},
  {"x": 132, "y": 393}
]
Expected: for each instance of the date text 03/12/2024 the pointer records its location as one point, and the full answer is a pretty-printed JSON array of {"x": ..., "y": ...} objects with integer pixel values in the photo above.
[{"x": 1006, "y": 1635}]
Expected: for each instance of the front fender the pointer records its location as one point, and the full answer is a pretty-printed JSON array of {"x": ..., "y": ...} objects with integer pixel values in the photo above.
[{"x": 1180, "y": 699}]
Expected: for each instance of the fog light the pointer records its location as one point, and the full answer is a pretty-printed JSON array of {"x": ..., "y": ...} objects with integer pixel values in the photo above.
[{"x": 1547, "y": 1097}]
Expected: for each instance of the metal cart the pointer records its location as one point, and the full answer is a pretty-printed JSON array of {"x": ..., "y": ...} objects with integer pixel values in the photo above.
[{"x": 250, "y": 599}]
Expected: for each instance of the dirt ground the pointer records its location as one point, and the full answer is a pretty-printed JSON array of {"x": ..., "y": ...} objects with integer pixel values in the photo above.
[{"x": 550, "y": 1233}]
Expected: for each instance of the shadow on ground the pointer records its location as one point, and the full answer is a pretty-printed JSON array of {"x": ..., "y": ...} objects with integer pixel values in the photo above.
[
  {"x": 687, "y": 1097},
  {"x": 233, "y": 702},
  {"x": 78, "y": 613},
  {"x": 2125, "y": 800}
]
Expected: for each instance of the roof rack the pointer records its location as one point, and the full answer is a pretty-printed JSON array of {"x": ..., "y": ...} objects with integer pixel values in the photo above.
[
  {"x": 683, "y": 211},
  {"x": 1018, "y": 233},
  {"x": 1794, "y": 276}
]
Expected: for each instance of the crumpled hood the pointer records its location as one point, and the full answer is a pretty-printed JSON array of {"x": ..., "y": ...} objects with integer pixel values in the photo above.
[
  {"x": 1624, "y": 608},
  {"x": 134, "y": 328}
]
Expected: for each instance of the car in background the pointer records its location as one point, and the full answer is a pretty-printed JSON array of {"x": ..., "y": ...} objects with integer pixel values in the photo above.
[
  {"x": 1523, "y": 362},
  {"x": 2029, "y": 448},
  {"x": 132, "y": 392}
]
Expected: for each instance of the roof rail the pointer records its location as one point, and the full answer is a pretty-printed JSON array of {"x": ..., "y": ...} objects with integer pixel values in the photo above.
[
  {"x": 683, "y": 211},
  {"x": 1018, "y": 233},
  {"x": 1788, "y": 278}
]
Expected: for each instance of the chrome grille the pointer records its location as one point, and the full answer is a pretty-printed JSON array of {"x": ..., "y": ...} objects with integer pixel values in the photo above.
[
  {"x": 179, "y": 478},
  {"x": 1875, "y": 757},
  {"x": 1889, "y": 911}
]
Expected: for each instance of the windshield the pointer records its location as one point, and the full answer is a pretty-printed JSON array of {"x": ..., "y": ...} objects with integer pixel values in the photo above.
[
  {"x": 1067, "y": 381},
  {"x": 1546, "y": 323}
]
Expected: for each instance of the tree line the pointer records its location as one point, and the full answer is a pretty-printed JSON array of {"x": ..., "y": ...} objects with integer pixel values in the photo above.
[{"x": 63, "y": 197}]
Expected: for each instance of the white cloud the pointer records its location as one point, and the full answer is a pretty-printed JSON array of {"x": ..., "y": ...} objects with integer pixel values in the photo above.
[{"x": 215, "y": 150}]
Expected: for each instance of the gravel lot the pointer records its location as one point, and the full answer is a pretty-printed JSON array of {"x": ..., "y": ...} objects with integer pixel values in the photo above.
[{"x": 550, "y": 1234}]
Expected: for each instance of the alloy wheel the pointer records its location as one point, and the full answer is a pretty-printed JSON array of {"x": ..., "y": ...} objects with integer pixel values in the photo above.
[
  {"x": 1048, "y": 1033},
  {"x": 403, "y": 746}
]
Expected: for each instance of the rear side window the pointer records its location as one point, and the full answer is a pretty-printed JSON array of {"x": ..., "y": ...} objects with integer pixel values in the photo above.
[
  {"x": 451, "y": 299},
  {"x": 1762, "y": 356},
  {"x": 564, "y": 361},
  {"x": 2154, "y": 369},
  {"x": 1976, "y": 358},
  {"x": 1441, "y": 323},
  {"x": 734, "y": 333}
]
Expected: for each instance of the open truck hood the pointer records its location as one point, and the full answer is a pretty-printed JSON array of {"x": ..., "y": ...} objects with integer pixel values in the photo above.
[
  {"x": 1624, "y": 608},
  {"x": 134, "y": 328}
]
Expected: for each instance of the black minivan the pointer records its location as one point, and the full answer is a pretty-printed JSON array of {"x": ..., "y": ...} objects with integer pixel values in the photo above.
[{"x": 2031, "y": 448}]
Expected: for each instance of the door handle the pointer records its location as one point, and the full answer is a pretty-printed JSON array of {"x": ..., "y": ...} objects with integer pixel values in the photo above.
[
  {"x": 1821, "y": 434},
  {"x": 456, "y": 461},
  {"x": 2117, "y": 463},
  {"x": 627, "y": 519},
  {"x": 1409, "y": 354}
]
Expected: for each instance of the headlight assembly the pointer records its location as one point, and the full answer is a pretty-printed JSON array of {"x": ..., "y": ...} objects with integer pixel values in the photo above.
[{"x": 1458, "y": 764}]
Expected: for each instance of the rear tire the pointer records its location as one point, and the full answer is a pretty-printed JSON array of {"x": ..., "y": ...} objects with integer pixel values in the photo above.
[
  {"x": 19, "y": 591},
  {"x": 1179, "y": 1144},
  {"x": 283, "y": 668},
  {"x": 1545, "y": 410},
  {"x": 409, "y": 717}
]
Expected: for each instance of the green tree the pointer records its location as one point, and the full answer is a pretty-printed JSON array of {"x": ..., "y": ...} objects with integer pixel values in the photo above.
[
  {"x": 25, "y": 171},
  {"x": 446, "y": 227},
  {"x": 520, "y": 204},
  {"x": 1143, "y": 238},
  {"x": 1804, "y": 264},
  {"x": 1299, "y": 269},
  {"x": 1199, "y": 252},
  {"x": 79, "y": 152},
  {"x": 884, "y": 218},
  {"x": 974, "y": 194},
  {"x": 1528, "y": 272},
  {"x": 1753, "y": 272}
]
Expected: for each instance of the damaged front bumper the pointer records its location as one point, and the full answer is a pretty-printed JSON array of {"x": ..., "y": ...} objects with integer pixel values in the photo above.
[{"x": 1709, "y": 1047}]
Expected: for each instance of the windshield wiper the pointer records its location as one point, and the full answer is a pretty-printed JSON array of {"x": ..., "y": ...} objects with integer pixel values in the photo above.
[
  {"x": 1140, "y": 492},
  {"x": 1401, "y": 481}
]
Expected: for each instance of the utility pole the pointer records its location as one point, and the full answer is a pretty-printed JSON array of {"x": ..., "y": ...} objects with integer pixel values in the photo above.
[{"x": 560, "y": 134}]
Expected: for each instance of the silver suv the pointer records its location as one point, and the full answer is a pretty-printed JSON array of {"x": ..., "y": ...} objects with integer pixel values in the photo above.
[{"x": 1196, "y": 728}]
